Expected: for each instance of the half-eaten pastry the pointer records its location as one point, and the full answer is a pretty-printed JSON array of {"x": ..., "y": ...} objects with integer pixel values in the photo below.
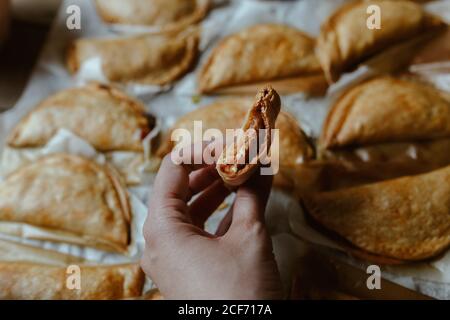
[
  {"x": 406, "y": 219},
  {"x": 345, "y": 39},
  {"x": 144, "y": 59},
  {"x": 266, "y": 52},
  {"x": 294, "y": 146},
  {"x": 165, "y": 14},
  {"x": 67, "y": 198},
  {"x": 239, "y": 161}
]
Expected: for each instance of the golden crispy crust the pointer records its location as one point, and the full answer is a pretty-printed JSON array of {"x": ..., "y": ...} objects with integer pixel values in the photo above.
[
  {"x": 29, "y": 281},
  {"x": 166, "y": 14},
  {"x": 103, "y": 116},
  {"x": 403, "y": 219},
  {"x": 257, "y": 54},
  {"x": 70, "y": 195},
  {"x": 156, "y": 60},
  {"x": 386, "y": 110},
  {"x": 229, "y": 114},
  {"x": 345, "y": 40}
]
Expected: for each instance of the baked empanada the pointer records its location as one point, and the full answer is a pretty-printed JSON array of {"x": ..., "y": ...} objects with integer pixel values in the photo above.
[
  {"x": 386, "y": 110},
  {"x": 261, "y": 53},
  {"x": 404, "y": 219},
  {"x": 242, "y": 158},
  {"x": 30, "y": 281},
  {"x": 167, "y": 14},
  {"x": 345, "y": 40},
  {"x": 145, "y": 59},
  {"x": 15, "y": 252},
  {"x": 71, "y": 199},
  {"x": 294, "y": 147},
  {"x": 384, "y": 129},
  {"x": 105, "y": 117}
]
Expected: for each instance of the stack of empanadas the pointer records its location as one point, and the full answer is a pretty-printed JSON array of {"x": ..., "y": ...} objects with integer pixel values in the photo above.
[
  {"x": 105, "y": 117},
  {"x": 67, "y": 198},
  {"x": 144, "y": 59},
  {"x": 163, "y": 14},
  {"x": 388, "y": 127},
  {"x": 244, "y": 61},
  {"x": 346, "y": 40},
  {"x": 294, "y": 147}
]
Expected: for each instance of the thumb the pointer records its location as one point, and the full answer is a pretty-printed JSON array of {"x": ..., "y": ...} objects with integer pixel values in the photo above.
[{"x": 251, "y": 200}]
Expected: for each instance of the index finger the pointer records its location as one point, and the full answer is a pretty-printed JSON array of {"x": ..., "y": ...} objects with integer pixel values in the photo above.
[{"x": 172, "y": 180}]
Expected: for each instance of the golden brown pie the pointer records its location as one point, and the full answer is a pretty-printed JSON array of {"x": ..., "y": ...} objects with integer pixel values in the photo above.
[
  {"x": 167, "y": 14},
  {"x": 105, "y": 117},
  {"x": 387, "y": 110},
  {"x": 145, "y": 59},
  {"x": 31, "y": 281},
  {"x": 222, "y": 115},
  {"x": 294, "y": 147},
  {"x": 404, "y": 219},
  {"x": 70, "y": 199},
  {"x": 345, "y": 40},
  {"x": 261, "y": 53}
]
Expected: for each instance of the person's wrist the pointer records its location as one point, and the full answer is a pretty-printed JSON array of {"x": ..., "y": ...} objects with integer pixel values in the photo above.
[{"x": 4, "y": 20}]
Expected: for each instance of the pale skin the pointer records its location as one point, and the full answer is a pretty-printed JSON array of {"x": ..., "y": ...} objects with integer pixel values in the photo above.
[{"x": 185, "y": 261}]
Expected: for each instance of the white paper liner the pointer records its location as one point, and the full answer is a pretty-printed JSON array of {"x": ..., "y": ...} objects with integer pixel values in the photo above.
[{"x": 284, "y": 217}]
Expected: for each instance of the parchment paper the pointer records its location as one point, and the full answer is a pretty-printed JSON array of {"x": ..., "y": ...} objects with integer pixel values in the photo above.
[{"x": 284, "y": 216}]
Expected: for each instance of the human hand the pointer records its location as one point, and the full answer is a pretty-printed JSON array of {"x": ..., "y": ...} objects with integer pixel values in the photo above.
[{"x": 185, "y": 261}]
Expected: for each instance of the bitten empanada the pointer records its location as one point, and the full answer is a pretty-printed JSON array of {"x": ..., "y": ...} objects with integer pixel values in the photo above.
[
  {"x": 31, "y": 281},
  {"x": 345, "y": 40},
  {"x": 261, "y": 53},
  {"x": 167, "y": 14},
  {"x": 144, "y": 59},
  {"x": 71, "y": 199},
  {"x": 105, "y": 117},
  {"x": 385, "y": 110},
  {"x": 238, "y": 162},
  {"x": 294, "y": 147},
  {"x": 405, "y": 219}
]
